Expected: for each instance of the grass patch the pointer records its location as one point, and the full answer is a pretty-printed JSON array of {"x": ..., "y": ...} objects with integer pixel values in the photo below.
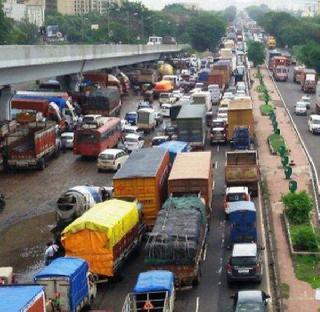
[
  {"x": 266, "y": 109},
  {"x": 303, "y": 238},
  {"x": 307, "y": 269},
  {"x": 284, "y": 291},
  {"x": 276, "y": 140}
]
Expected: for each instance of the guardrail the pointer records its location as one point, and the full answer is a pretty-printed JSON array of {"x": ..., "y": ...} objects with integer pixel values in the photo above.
[{"x": 314, "y": 173}]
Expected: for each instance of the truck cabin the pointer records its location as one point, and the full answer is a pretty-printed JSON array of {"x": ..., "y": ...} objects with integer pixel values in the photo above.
[{"x": 6, "y": 276}]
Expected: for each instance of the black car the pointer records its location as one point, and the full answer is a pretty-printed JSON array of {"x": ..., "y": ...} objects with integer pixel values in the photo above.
[
  {"x": 250, "y": 300},
  {"x": 157, "y": 140}
]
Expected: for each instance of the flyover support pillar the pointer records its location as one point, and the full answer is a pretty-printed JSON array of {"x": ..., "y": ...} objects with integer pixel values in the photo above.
[{"x": 6, "y": 94}]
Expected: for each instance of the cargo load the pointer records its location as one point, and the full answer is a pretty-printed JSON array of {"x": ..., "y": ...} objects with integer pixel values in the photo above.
[
  {"x": 26, "y": 298},
  {"x": 177, "y": 240},
  {"x": 144, "y": 176},
  {"x": 174, "y": 148},
  {"x": 192, "y": 174},
  {"x": 163, "y": 86},
  {"x": 105, "y": 235}
]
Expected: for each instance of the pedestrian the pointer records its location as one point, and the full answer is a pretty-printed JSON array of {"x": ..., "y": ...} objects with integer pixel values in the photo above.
[{"x": 50, "y": 253}]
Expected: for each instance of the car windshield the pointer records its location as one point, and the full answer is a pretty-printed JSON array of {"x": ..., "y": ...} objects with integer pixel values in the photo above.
[
  {"x": 106, "y": 156},
  {"x": 164, "y": 95},
  {"x": 250, "y": 307},
  {"x": 301, "y": 105},
  {"x": 218, "y": 124},
  {"x": 316, "y": 122},
  {"x": 132, "y": 140},
  {"x": 243, "y": 261},
  {"x": 233, "y": 197}
]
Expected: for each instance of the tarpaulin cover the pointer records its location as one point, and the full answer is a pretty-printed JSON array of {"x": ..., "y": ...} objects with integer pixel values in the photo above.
[
  {"x": 75, "y": 270},
  {"x": 153, "y": 281},
  {"x": 14, "y": 298},
  {"x": 58, "y": 100},
  {"x": 175, "y": 147},
  {"x": 175, "y": 238},
  {"x": 93, "y": 235}
]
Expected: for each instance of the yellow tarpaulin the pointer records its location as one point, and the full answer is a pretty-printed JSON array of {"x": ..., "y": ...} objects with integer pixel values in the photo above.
[{"x": 93, "y": 235}]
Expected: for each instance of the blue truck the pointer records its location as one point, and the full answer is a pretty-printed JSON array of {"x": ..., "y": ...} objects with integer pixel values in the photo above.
[
  {"x": 242, "y": 220},
  {"x": 241, "y": 138},
  {"x": 68, "y": 283}
]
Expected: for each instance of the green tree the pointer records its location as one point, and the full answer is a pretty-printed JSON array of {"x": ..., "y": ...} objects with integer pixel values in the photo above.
[
  {"x": 24, "y": 33},
  {"x": 257, "y": 11},
  {"x": 230, "y": 13},
  {"x": 256, "y": 52},
  {"x": 5, "y": 26},
  {"x": 297, "y": 206}
]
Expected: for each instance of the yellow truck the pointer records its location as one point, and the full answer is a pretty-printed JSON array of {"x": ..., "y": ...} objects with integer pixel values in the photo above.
[
  {"x": 240, "y": 115},
  {"x": 271, "y": 42}
]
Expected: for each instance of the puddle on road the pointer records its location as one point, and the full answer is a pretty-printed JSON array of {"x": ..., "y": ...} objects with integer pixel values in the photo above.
[{"x": 22, "y": 245}]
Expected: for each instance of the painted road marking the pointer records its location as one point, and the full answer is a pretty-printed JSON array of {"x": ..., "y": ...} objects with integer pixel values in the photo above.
[
  {"x": 197, "y": 304},
  {"x": 205, "y": 253}
]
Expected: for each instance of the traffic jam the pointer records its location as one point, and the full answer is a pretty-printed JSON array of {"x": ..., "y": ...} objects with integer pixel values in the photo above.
[{"x": 185, "y": 187}]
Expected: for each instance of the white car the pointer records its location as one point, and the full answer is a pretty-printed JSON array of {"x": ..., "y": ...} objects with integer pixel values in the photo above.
[
  {"x": 131, "y": 129},
  {"x": 111, "y": 159},
  {"x": 67, "y": 139},
  {"x": 166, "y": 97},
  {"x": 314, "y": 124},
  {"x": 165, "y": 109},
  {"x": 133, "y": 142},
  {"x": 186, "y": 99},
  {"x": 301, "y": 108},
  {"x": 228, "y": 95},
  {"x": 306, "y": 99},
  {"x": 177, "y": 94}
]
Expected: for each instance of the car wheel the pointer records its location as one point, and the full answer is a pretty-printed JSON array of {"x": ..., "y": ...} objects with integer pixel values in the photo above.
[{"x": 118, "y": 167}]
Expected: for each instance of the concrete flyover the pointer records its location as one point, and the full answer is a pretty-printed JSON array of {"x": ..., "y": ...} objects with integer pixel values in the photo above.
[{"x": 20, "y": 63}]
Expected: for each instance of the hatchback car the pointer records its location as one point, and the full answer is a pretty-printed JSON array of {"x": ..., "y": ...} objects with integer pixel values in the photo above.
[
  {"x": 133, "y": 142},
  {"x": 165, "y": 109},
  {"x": 131, "y": 118},
  {"x": 235, "y": 193},
  {"x": 250, "y": 300},
  {"x": 111, "y": 159},
  {"x": 307, "y": 99},
  {"x": 67, "y": 139},
  {"x": 132, "y": 129},
  {"x": 301, "y": 108},
  {"x": 157, "y": 140},
  {"x": 314, "y": 124},
  {"x": 245, "y": 263}
]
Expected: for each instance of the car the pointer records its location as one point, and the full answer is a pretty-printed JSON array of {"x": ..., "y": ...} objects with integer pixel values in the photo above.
[
  {"x": 158, "y": 117},
  {"x": 306, "y": 99},
  {"x": 133, "y": 142},
  {"x": 132, "y": 129},
  {"x": 143, "y": 104},
  {"x": 245, "y": 263},
  {"x": 131, "y": 118},
  {"x": 90, "y": 118},
  {"x": 241, "y": 86},
  {"x": 177, "y": 94},
  {"x": 67, "y": 139},
  {"x": 231, "y": 89},
  {"x": 228, "y": 95},
  {"x": 166, "y": 97},
  {"x": 111, "y": 159},
  {"x": 314, "y": 124},
  {"x": 301, "y": 108},
  {"x": 218, "y": 135},
  {"x": 250, "y": 300},
  {"x": 170, "y": 130},
  {"x": 157, "y": 140},
  {"x": 235, "y": 193},
  {"x": 186, "y": 99},
  {"x": 165, "y": 109},
  {"x": 240, "y": 93}
]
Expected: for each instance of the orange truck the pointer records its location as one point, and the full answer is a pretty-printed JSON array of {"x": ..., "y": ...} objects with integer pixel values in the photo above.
[
  {"x": 144, "y": 176},
  {"x": 192, "y": 174},
  {"x": 308, "y": 80},
  {"x": 280, "y": 68}
]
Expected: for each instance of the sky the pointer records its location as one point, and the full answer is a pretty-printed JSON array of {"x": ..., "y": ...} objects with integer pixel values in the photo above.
[{"x": 220, "y": 4}]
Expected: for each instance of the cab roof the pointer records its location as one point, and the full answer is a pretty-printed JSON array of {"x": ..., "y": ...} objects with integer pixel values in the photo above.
[{"x": 244, "y": 250}]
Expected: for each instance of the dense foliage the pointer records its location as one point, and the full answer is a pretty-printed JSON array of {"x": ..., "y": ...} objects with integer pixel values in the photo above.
[
  {"x": 256, "y": 52},
  {"x": 304, "y": 238},
  {"x": 130, "y": 23}
]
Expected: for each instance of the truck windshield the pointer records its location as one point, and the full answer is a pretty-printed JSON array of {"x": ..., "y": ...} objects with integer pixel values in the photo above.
[
  {"x": 234, "y": 197},
  {"x": 143, "y": 117},
  {"x": 198, "y": 100}
]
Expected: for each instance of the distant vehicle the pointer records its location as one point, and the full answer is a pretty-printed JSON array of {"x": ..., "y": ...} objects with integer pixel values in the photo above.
[
  {"x": 165, "y": 109},
  {"x": 215, "y": 93},
  {"x": 6, "y": 276},
  {"x": 67, "y": 139},
  {"x": 111, "y": 159},
  {"x": 245, "y": 263},
  {"x": 158, "y": 118},
  {"x": 133, "y": 142},
  {"x": 228, "y": 95},
  {"x": 52, "y": 34},
  {"x": 170, "y": 130},
  {"x": 131, "y": 117},
  {"x": 169, "y": 40},
  {"x": 143, "y": 104},
  {"x": 177, "y": 94},
  {"x": 250, "y": 300},
  {"x": 167, "y": 98},
  {"x": 308, "y": 80},
  {"x": 132, "y": 129},
  {"x": 301, "y": 108},
  {"x": 271, "y": 42},
  {"x": 235, "y": 193},
  {"x": 157, "y": 140},
  {"x": 307, "y": 99},
  {"x": 154, "y": 40},
  {"x": 314, "y": 124}
]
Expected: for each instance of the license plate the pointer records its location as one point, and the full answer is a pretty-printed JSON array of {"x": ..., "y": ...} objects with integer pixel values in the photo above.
[{"x": 243, "y": 271}]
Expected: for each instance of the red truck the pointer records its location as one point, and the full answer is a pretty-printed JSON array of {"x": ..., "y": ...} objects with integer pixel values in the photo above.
[
  {"x": 308, "y": 80},
  {"x": 280, "y": 68},
  {"x": 217, "y": 77},
  {"x": 30, "y": 146}
]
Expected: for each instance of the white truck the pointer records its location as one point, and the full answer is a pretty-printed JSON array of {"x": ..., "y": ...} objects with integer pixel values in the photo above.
[
  {"x": 202, "y": 98},
  {"x": 154, "y": 291},
  {"x": 146, "y": 119}
]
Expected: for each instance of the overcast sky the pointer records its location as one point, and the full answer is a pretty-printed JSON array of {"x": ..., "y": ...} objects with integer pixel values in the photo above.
[{"x": 217, "y": 5}]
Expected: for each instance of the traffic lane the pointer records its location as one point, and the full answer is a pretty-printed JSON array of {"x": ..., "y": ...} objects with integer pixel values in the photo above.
[{"x": 291, "y": 93}]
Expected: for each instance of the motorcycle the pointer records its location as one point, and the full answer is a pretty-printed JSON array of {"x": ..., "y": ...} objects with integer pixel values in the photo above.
[{"x": 2, "y": 202}]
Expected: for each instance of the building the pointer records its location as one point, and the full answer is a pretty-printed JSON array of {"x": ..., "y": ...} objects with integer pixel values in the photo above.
[
  {"x": 51, "y": 5},
  {"x": 14, "y": 10}
]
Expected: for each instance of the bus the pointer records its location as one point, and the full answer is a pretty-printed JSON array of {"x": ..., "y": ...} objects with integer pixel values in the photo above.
[{"x": 92, "y": 138}]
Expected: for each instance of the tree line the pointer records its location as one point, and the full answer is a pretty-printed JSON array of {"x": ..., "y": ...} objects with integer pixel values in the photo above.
[
  {"x": 130, "y": 23},
  {"x": 300, "y": 34}
]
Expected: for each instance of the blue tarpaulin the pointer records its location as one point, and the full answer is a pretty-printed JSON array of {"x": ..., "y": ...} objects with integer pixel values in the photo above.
[
  {"x": 174, "y": 148},
  {"x": 15, "y": 298},
  {"x": 153, "y": 281},
  {"x": 75, "y": 269}
]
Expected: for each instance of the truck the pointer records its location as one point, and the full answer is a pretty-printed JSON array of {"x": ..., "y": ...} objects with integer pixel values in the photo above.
[
  {"x": 153, "y": 291},
  {"x": 144, "y": 176},
  {"x": 6, "y": 276},
  {"x": 202, "y": 98},
  {"x": 242, "y": 220},
  {"x": 149, "y": 75},
  {"x": 177, "y": 240},
  {"x": 24, "y": 297},
  {"x": 308, "y": 80},
  {"x": 30, "y": 146},
  {"x": 78, "y": 199},
  {"x": 217, "y": 78},
  {"x": 280, "y": 68},
  {"x": 191, "y": 125},
  {"x": 271, "y": 54},
  {"x": 174, "y": 148},
  {"x": 271, "y": 42},
  {"x": 68, "y": 283},
  {"x": 297, "y": 74},
  {"x": 146, "y": 119},
  {"x": 242, "y": 169},
  {"x": 192, "y": 174},
  {"x": 105, "y": 236},
  {"x": 225, "y": 66},
  {"x": 240, "y": 114},
  {"x": 104, "y": 101}
]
